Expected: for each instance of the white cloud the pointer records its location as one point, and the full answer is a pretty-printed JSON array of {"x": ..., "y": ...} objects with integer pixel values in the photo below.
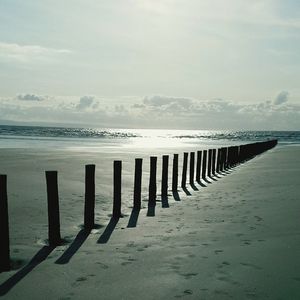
[
  {"x": 154, "y": 112},
  {"x": 26, "y": 53}
]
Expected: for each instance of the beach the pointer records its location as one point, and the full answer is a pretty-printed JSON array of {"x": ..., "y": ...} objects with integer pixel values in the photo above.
[{"x": 235, "y": 238}]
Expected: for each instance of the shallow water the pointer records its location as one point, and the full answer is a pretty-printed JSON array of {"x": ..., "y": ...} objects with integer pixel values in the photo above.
[{"x": 94, "y": 138}]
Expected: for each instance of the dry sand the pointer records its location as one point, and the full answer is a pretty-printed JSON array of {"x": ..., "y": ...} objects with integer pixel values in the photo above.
[{"x": 237, "y": 238}]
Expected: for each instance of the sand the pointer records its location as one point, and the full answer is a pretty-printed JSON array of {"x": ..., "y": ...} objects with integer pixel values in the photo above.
[{"x": 236, "y": 238}]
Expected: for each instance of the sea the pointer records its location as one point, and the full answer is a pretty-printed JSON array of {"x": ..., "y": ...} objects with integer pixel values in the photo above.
[{"x": 95, "y": 138}]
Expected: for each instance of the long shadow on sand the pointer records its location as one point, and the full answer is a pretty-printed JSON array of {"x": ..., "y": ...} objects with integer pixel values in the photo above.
[
  {"x": 176, "y": 196},
  {"x": 187, "y": 192},
  {"x": 73, "y": 248},
  {"x": 151, "y": 211},
  {"x": 212, "y": 178},
  {"x": 105, "y": 236},
  {"x": 39, "y": 257},
  {"x": 133, "y": 218},
  {"x": 217, "y": 175},
  {"x": 206, "y": 180},
  {"x": 164, "y": 202},
  {"x": 201, "y": 183},
  {"x": 192, "y": 184}
]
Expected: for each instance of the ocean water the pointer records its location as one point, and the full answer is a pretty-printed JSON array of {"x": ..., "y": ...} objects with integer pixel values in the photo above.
[{"x": 89, "y": 138}]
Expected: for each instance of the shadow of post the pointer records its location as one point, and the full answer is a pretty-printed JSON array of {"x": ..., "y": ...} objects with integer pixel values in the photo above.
[
  {"x": 187, "y": 192},
  {"x": 133, "y": 218},
  {"x": 212, "y": 178},
  {"x": 105, "y": 236},
  {"x": 176, "y": 195},
  {"x": 201, "y": 183},
  {"x": 192, "y": 184},
  {"x": 164, "y": 201},
  {"x": 151, "y": 211},
  {"x": 74, "y": 247},
  {"x": 40, "y": 256}
]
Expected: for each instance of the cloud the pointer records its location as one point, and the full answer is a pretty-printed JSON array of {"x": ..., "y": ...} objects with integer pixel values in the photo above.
[
  {"x": 152, "y": 112},
  {"x": 30, "y": 97},
  {"x": 86, "y": 102},
  {"x": 162, "y": 101},
  {"x": 26, "y": 53},
  {"x": 281, "y": 98},
  {"x": 219, "y": 113}
]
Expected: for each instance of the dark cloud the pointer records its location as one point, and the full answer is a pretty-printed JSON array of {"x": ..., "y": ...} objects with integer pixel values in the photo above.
[
  {"x": 30, "y": 97},
  {"x": 281, "y": 98},
  {"x": 85, "y": 102}
]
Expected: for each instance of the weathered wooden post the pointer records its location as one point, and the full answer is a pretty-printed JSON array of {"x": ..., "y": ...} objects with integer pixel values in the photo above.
[
  {"x": 4, "y": 228},
  {"x": 204, "y": 164},
  {"x": 137, "y": 184},
  {"x": 209, "y": 163},
  {"x": 53, "y": 209},
  {"x": 192, "y": 167},
  {"x": 198, "y": 168},
  {"x": 164, "y": 176},
  {"x": 175, "y": 173},
  {"x": 184, "y": 169},
  {"x": 89, "y": 204},
  {"x": 218, "y": 161},
  {"x": 226, "y": 158},
  {"x": 213, "y": 170},
  {"x": 117, "y": 189},
  {"x": 223, "y": 163},
  {"x": 152, "y": 182}
]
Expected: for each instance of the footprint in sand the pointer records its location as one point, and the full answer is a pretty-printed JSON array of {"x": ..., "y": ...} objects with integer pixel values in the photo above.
[
  {"x": 258, "y": 218},
  {"x": 185, "y": 293},
  {"x": 246, "y": 242},
  {"x": 296, "y": 278},
  {"x": 103, "y": 266},
  {"x": 251, "y": 266},
  {"x": 240, "y": 234},
  {"x": 78, "y": 281},
  {"x": 81, "y": 279},
  {"x": 189, "y": 275}
]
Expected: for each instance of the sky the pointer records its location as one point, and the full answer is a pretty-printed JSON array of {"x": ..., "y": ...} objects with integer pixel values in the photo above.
[{"x": 189, "y": 64}]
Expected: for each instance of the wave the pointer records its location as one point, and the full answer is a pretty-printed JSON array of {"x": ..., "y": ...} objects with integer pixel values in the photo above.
[{"x": 35, "y": 132}]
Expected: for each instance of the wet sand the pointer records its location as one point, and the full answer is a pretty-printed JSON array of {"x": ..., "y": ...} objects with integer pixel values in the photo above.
[{"x": 236, "y": 238}]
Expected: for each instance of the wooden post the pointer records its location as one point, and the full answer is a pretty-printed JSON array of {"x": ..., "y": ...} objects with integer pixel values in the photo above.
[
  {"x": 213, "y": 170},
  {"x": 218, "y": 161},
  {"x": 89, "y": 204},
  {"x": 204, "y": 164},
  {"x": 53, "y": 209},
  {"x": 198, "y": 168},
  {"x": 223, "y": 156},
  {"x": 209, "y": 162},
  {"x": 164, "y": 177},
  {"x": 152, "y": 181},
  {"x": 4, "y": 228},
  {"x": 137, "y": 184},
  {"x": 117, "y": 189},
  {"x": 192, "y": 167},
  {"x": 175, "y": 173},
  {"x": 184, "y": 169}
]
